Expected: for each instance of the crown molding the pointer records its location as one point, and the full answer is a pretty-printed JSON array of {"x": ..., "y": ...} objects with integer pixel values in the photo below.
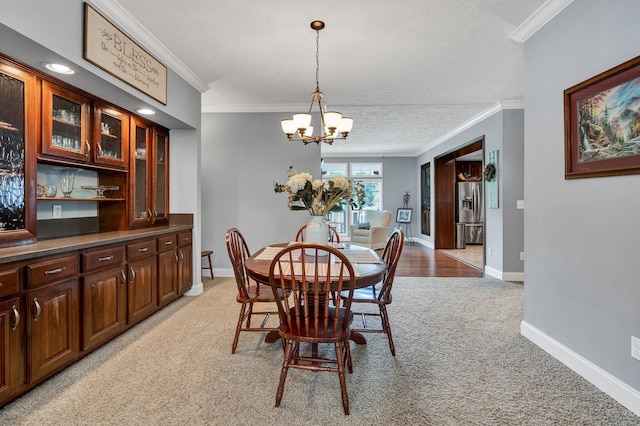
[
  {"x": 112, "y": 10},
  {"x": 538, "y": 19},
  {"x": 499, "y": 106},
  {"x": 255, "y": 108}
]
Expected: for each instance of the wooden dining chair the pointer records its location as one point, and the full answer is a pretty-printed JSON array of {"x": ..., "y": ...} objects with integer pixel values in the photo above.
[
  {"x": 249, "y": 292},
  {"x": 333, "y": 234},
  {"x": 380, "y": 294},
  {"x": 308, "y": 316}
]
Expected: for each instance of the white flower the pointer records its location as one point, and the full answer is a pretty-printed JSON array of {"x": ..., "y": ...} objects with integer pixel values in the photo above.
[
  {"x": 298, "y": 181},
  {"x": 341, "y": 182},
  {"x": 317, "y": 184},
  {"x": 318, "y": 197}
]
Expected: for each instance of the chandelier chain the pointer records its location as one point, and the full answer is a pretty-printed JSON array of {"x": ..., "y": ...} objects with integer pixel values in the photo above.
[{"x": 317, "y": 60}]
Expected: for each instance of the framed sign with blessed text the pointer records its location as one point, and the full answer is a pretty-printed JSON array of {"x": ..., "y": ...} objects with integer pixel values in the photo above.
[{"x": 108, "y": 48}]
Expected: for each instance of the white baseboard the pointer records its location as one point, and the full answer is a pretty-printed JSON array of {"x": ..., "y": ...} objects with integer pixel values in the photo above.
[
  {"x": 612, "y": 386},
  {"x": 224, "y": 272},
  {"x": 195, "y": 289},
  {"x": 513, "y": 276},
  {"x": 423, "y": 242}
]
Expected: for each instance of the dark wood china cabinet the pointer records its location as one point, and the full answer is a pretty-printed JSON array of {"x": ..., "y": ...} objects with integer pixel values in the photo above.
[
  {"x": 63, "y": 297},
  {"x": 66, "y": 123},
  {"x": 17, "y": 159},
  {"x": 148, "y": 175}
]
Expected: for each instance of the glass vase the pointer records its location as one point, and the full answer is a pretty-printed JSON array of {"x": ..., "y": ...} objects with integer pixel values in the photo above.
[{"x": 67, "y": 180}]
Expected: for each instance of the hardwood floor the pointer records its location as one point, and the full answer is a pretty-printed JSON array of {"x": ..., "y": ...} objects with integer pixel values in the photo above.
[{"x": 419, "y": 261}]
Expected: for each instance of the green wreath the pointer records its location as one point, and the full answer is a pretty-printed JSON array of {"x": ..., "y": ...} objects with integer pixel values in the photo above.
[{"x": 489, "y": 172}]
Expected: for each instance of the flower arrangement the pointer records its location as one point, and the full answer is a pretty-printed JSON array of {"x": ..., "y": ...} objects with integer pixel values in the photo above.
[{"x": 318, "y": 197}]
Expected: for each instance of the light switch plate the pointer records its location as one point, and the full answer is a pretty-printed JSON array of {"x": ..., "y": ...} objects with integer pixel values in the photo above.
[{"x": 520, "y": 204}]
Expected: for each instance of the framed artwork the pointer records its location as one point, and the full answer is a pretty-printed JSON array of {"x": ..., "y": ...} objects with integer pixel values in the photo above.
[
  {"x": 404, "y": 215},
  {"x": 602, "y": 124}
]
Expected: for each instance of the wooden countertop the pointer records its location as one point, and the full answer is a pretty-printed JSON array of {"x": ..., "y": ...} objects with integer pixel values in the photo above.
[{"x": 63, "y": 245}]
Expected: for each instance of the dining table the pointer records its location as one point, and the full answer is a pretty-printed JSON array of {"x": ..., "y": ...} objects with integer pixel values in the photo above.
[{"x": 367, "y": 264}]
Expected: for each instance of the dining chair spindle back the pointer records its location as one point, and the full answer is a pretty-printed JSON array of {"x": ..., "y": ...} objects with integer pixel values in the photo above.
[
  {"x": 309, "y": 316},
  {"x": 380, "y": 294},
  {"x": 249, "y": 292}
]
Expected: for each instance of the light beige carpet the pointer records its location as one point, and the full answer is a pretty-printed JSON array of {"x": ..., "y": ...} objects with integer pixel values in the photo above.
[{"x": 460, "y": 361}]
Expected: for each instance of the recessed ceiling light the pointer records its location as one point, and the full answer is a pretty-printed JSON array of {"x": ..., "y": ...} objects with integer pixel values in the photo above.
[
  {"x": 59, "y": 68},
  {"x": 146, "y": 111}
]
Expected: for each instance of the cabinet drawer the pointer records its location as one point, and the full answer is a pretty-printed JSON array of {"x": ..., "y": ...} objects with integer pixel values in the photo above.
[
  {"x": 167, "y": 242},
  {"x": 141, "y": 249},
  {"x": 184, "y": 239},
  {"x": 9, "y": 282},
  {"x": 49, "y": 271},
  {"x": 99, "y": 259}
]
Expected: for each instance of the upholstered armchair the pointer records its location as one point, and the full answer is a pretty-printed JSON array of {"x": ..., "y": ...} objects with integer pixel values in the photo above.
[{"x": 373, "y": 231}]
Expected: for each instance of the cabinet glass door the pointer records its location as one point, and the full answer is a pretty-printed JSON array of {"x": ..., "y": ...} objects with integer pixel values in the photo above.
[
  {"x": 161, "y": 177},
  {"x": 111, "y": 137},
  {"x": 65, "y": 123},
  {"x": 17, "y": 160},
  {"x": 140, "y": 211}
]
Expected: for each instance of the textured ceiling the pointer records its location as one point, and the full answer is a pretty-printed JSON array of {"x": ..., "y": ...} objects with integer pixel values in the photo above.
[{"x": 407, "y": 72}]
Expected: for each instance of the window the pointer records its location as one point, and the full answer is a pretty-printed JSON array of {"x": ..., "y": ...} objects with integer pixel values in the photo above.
[{"x": 370, "y": 174}]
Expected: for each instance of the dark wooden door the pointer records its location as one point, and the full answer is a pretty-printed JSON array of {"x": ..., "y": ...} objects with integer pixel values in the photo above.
[
  {"x": 445, "y": 211},
  {"x": 53, "y": 328},
  {"x": 11, "y": 347},
  {"x": 167, "y": 277},
  {"x": 185, "y": 268},
  {"x": 104, "y": 306},
  {"x": 142, "y": 293}
]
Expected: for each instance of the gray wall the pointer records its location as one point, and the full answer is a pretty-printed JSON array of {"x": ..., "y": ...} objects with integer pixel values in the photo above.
[
  {"x": 242, "y": 156},
  {"x": 502, "y": 131},
  {"x": 581, "y": 236}
]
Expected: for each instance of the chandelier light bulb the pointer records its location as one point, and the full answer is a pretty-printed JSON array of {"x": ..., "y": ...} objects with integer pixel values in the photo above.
[{"x": 288, "y": 126}]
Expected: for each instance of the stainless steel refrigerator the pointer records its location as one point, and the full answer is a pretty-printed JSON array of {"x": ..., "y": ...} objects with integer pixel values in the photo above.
[{"x": 471, "y": 211}]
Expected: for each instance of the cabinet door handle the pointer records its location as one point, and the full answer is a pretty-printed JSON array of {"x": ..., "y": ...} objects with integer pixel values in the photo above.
[
  {"x": 88, "y": 153},
  {"x": 132, "y": 274},
  {"x": 98, "y": 150},
  {"x": 104, "y": 259},
  {"x": 149, "y": 215},
  {"x": 143, "y": 250},
  {"x": 176, "y": 256},
  {"x": 123, "y": 278},
  {"x": 166, "y": 243},
  {"x": 16, "y": 316},
  {"x": 55, "y": 271},
  {"x": 38, "y": 309},
  {"x": 181, "y": 256}
]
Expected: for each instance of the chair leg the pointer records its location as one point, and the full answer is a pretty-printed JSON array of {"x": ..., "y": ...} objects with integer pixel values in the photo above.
[
  {"x": 238, "y": 328},
  {"x": 288, "y": 354},
  {"x": 387, "y": 328},
  {"x": 249, "y": 314},
  {"x": 343, "y": 381},
  {"x": 347, "y": 352}
]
